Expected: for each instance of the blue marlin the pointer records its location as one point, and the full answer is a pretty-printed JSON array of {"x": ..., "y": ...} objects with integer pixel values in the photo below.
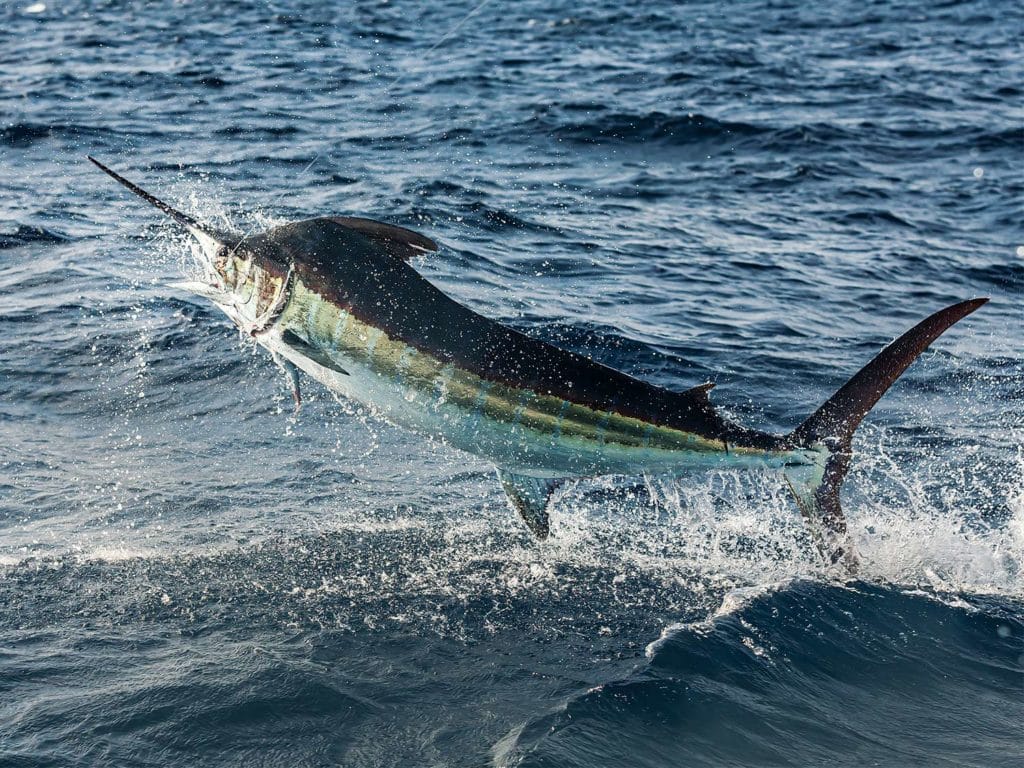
[{"x": 337, "y": 299}]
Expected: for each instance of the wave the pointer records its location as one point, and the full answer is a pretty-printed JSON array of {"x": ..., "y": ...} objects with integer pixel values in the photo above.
[
  {"x": 497, "y": 219},
  {"x": 28, "y": 234},
  {"x": 270, "y": 131},
  {"x": 652, "y": 127},
  {"x": 806, "y": 674},
  {"x": 875, "y": 218},
  {"x": 28, "y": 133},
  {"x": 203, "y": 77},
  {"x": 666, "y": 129}
]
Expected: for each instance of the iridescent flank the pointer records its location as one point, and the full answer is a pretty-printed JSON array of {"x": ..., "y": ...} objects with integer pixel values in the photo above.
[{"x": 331, "y": 328}]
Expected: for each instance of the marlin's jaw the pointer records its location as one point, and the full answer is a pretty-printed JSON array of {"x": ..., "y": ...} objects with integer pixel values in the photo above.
[
  {"x": 211, "y": 255},
  {"x": 239, "y": 279}
]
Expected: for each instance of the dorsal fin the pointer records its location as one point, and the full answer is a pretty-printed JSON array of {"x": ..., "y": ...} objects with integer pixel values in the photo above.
[
  {"x": 700, "y": 392},
  {"x": 696, "y": 402},
  {"x": 400, "y": 242}
]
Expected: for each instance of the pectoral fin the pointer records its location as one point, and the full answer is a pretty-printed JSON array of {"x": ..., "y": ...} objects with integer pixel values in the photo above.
[
  {"x": 529, "y": 497},
  {"x": 306, "y": 349}
]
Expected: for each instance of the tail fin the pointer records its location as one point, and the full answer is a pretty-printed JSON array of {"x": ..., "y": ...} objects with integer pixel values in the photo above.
[{"x": 829, "y": 432}]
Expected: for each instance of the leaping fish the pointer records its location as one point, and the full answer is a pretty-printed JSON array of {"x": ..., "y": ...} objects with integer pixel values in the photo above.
[{"x": 336, "y": 298}]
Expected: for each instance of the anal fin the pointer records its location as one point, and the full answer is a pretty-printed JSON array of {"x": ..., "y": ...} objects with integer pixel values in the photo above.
[{"x": 529, "y": 496}]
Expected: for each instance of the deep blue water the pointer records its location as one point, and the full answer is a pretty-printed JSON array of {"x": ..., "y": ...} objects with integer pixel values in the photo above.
[{"x": 756, "y": 193}]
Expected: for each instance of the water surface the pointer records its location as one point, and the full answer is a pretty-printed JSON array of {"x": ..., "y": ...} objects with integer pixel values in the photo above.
[{"x": 760, "y": 194}]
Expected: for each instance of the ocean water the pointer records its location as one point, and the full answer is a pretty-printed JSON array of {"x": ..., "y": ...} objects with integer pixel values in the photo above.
[{"x": 757, "y": 193}]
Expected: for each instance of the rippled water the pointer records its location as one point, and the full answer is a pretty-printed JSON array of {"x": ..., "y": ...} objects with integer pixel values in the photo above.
[{"x": 759, "y": 194}]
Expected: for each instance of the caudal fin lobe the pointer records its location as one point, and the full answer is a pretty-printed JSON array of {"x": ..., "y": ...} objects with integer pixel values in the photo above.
[{"x": 831, "y": 427}]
